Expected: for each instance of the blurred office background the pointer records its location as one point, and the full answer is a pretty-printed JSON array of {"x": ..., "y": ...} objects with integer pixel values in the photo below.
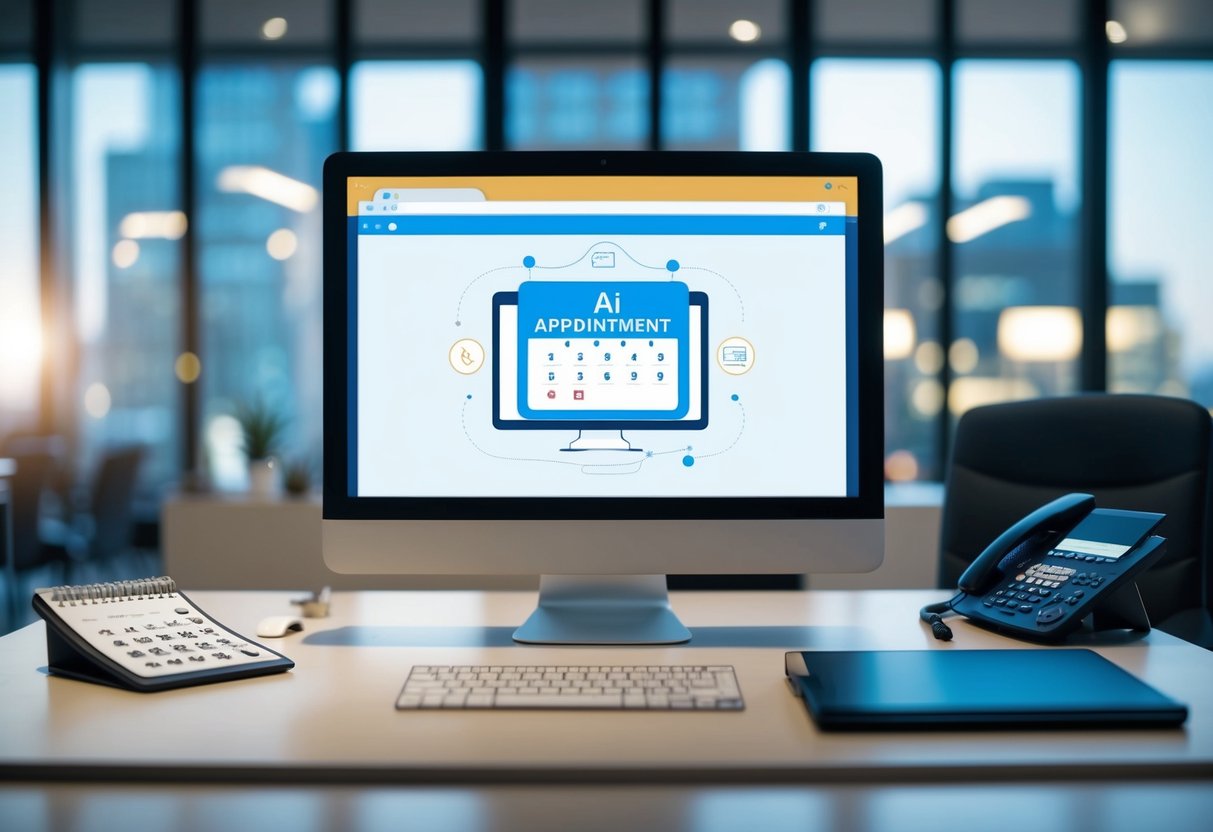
[{"x": 1048, "y": 188}]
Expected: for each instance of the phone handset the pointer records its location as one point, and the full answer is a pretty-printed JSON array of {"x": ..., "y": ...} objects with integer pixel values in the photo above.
[{"x": 1038, "y": 532}]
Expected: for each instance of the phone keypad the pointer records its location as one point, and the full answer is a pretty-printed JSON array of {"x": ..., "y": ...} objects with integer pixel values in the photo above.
[{"x": 1031, "y": 590}]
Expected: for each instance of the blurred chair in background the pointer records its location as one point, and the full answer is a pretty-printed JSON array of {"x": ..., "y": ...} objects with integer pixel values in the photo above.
[
  {"x": 94, "y": 541},
  {"x": 1144, "y": 453},
  {"x": 37, "y": 460}
]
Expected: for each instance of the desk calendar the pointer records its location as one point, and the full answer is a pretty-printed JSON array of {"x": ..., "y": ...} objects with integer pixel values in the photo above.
[{"x": 145, "y": 635}]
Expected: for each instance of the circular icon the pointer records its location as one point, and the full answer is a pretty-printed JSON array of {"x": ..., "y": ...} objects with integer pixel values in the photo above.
[
  {"x": 735, "y": 355},
  {"x": 466, "y": 356}
]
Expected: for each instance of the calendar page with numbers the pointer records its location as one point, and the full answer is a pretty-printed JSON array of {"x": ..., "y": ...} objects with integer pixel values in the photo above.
[{"x": 646, "y": 336}]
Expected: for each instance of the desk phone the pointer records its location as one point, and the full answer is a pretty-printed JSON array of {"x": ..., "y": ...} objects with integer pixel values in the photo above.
[{"x": 1063, "y": 563}]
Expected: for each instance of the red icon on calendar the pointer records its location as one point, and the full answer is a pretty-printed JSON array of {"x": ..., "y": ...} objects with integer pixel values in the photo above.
[
  {"x": 551, "y": 394},
  {"x": 578, "y": 395}
]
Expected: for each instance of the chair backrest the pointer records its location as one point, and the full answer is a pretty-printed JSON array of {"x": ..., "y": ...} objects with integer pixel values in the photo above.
[
  {"x": 112, "y": 501},
  {"x": 25, "y": 500},
  {"x": 1147, "y": 453}
]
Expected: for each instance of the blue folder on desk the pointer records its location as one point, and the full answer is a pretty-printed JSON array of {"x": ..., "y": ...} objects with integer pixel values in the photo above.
[{"x": 974, "y": 689}]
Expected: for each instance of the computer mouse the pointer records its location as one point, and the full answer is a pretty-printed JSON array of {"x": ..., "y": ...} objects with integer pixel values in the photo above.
[{"x": 276, "y": 626}]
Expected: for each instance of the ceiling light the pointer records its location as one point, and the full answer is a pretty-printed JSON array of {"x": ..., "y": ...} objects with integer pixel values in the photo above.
[
  {"x": 987, "y": 215},
  {"x": 745, "y": 31},
  {"x": 274, "y": 28},
  {"x": 903, "y": 219},
  {"x": 269, "y": 185},
  {"x": 1115, "y": 31},
  {"x": 164, "y": 225},
  {"x": 898, "y": 334},
  {"x": 1040, "y": 333}
]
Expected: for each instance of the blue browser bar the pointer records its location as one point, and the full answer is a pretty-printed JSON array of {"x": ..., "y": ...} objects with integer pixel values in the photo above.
[{"x": 648, "y": 224}]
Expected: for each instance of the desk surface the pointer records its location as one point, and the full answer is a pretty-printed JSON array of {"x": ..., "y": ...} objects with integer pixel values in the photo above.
[{"x": 332, "y": 719}]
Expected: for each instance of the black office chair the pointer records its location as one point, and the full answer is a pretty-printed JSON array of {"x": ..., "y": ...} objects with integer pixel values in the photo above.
[{"x": 1147, "y": 453}]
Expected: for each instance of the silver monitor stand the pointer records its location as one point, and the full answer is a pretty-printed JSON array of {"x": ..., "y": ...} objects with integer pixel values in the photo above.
[{"x": 603, "y": 609}]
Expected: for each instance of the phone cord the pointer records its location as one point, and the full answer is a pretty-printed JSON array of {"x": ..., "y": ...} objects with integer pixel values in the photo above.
[{"x": 933, "y": 614}]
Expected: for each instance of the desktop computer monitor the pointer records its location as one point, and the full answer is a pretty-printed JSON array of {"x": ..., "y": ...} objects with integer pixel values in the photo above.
[{"x": 602, "y": 368}]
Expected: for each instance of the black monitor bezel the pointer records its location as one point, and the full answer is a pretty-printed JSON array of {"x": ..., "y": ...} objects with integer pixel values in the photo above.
[{"x": 338, "y": 168}]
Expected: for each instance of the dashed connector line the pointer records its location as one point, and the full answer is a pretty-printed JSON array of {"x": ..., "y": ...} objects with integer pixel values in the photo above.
[
  {"x": 466, "y": 289},
  {"x": 736, "y": 439},
  {"x": 740, "y": 300}
]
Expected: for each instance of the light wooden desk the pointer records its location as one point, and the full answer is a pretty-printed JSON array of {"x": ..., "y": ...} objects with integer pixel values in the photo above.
[{"x": 331, "y": 722}]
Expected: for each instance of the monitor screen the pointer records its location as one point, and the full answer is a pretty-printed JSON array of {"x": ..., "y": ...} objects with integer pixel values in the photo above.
[
  {"x": 658, "y": 344},
  {"x": 622, "y": 364}
]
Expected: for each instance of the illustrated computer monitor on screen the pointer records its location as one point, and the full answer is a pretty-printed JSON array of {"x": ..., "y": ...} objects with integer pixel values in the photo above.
[{"x": 602, "y": 368}]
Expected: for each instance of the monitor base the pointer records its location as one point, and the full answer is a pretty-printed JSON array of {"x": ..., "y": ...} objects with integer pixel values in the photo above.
[
  {"x": 601, "y": 440},
  {"x": 603, "y": 609}
]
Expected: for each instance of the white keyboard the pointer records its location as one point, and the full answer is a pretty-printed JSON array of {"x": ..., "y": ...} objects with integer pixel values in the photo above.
[{"x": 611, "y": 687}]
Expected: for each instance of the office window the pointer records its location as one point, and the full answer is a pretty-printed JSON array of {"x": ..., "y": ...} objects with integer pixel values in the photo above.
[
  {"x": 416, "y": 105},
  {"x": 124, "y": 222},
  {"x": 264, "y": 130},
  {"x": 891, "y": 108},
  {"x": 1159, "y": 338},
  {"x": 560, "y": 98},
  {"x": 725, "y": 104},
  {"x": 20, "y": 307},
  {"x": 1015, "y": 232},
  {"x": 569, "y": 103}
]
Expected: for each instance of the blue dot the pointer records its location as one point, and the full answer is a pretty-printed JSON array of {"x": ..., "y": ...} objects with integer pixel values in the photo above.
[
  {"x": 469, "y": 395},
  {"x": 672, "y": 265},
  {"x": 595, "y": 343},
  {"x": 623, "y": 343},
  {"x": 528, "y": 261},
  {"x": 828, "y": 186},
  {"x": 650, "y": 343},
  {"x": 566, "y": 343},
  {"x": 688, "y": 460},
  {"x": 734, "y": 397}
]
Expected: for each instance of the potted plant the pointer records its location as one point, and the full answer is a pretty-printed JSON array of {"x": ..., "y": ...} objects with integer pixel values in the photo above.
[{"x": 261, "y": 431}]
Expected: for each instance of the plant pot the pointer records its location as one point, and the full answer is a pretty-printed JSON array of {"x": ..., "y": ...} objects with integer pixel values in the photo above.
[{"x": 264, "y": 479}]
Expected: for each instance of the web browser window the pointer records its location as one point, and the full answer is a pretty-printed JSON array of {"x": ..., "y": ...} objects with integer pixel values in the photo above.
[{"x": 617, "y": 337}]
